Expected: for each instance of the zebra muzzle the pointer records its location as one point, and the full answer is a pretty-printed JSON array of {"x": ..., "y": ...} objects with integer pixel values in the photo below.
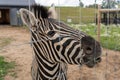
[{"x": 98, "y": 60}]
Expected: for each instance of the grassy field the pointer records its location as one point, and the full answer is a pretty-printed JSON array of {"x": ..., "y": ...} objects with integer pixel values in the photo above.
[
  {"x": 85, "y": 15},
  {"x": 5, "y": 67},
  {"x": 110, "y": 35}
]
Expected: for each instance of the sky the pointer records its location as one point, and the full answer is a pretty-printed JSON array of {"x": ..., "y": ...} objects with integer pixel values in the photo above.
[{"x": 66, "y": 2}]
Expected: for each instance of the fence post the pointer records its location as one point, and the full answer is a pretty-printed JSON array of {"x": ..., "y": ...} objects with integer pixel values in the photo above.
[{"x": 98, "y": 23}]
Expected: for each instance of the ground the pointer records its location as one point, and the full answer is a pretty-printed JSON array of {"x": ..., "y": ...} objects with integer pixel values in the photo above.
[{"x": 20, "y": 51}]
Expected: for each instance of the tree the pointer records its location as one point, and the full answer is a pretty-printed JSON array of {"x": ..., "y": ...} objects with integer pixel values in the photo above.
[
  {"x": 92, "y": 6},
  {"x": 118, "y": 1},
  {"x": 109, "y": 4},
  {"x": 81, "y": 3}
]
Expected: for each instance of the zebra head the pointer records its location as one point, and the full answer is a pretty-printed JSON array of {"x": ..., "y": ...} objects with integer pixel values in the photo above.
[{"x": 57, "y": 42}]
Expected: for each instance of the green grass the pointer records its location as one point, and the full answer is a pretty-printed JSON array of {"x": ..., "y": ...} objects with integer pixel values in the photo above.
[
  {"x": 5, "y": 67},
  {"x": 112, "y": 39},
  {"x": 87, "y": 15},
  {"x": 110, "y": 35}
]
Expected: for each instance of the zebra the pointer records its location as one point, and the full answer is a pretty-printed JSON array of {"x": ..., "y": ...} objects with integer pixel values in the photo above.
[{"x": 56, "y": 44}]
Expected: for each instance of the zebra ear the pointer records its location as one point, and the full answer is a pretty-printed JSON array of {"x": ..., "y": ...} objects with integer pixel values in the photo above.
[
  {"x": 52, "y": 12},
  {"x": 27, "y": 17}
]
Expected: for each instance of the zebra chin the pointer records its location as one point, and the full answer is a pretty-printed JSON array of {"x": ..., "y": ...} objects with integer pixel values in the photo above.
[{"x": 91, "y": 63}]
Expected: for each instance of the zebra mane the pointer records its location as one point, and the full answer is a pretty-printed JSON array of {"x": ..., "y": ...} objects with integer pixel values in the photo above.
[{"x": 40, "y": 11}]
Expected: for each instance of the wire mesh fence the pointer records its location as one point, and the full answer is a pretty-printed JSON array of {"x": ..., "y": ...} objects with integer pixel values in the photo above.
[{"x": 108, "y": 69}]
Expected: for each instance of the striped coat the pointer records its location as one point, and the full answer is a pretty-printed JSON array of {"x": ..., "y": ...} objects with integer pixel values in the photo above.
[{"x": 55, "y": 45}]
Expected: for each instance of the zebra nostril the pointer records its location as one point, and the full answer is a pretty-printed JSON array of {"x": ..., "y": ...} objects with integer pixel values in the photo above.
[
  {"x": 98, "y": 59},
  {"x": 88, "y": 50}
]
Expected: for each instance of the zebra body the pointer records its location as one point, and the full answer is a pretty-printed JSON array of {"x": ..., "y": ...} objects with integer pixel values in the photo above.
[{"x": 55, "y": 45}]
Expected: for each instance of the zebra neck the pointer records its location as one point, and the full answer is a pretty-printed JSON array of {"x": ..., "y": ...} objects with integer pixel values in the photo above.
[{"x": 48, "y": 71}]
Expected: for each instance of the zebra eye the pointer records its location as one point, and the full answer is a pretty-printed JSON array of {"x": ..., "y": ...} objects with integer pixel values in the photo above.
[{"x": 51, "y": 33}]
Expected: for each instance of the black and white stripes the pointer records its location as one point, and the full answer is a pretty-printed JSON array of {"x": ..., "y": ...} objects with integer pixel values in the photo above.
[{"x": 55, "y": 45}]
